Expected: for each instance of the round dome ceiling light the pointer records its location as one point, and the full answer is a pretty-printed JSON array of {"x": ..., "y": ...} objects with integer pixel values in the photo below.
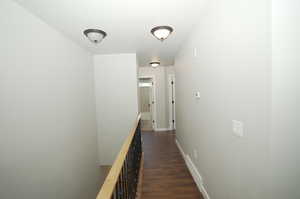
[
  {"x": 95, "y": 35},
  {"x": 154, "y": 64},
  {"x": 161, "y": 32}
]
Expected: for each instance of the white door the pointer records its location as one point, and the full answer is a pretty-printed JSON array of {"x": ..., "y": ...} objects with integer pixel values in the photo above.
[{"x": 172, "y": 102}]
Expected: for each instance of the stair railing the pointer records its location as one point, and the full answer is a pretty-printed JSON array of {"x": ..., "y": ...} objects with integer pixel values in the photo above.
[{"x": 122, "y": 179}]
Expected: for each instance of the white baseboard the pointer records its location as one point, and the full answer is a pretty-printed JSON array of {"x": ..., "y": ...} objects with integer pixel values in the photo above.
[
  {"x": 193, "y": 170},
  {"x": 172, "y": 128},
  {"x": 180, "y": 149},
  {"x": 196, "y": 175},
  {"x": 162, "y": 129}
]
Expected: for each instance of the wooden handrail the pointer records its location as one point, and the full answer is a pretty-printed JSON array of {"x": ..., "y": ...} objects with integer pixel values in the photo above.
[{"x": 110, "y": 182}]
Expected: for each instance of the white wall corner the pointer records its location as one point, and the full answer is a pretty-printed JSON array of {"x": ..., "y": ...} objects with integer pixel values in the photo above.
[{"x": 194, "y": 171}]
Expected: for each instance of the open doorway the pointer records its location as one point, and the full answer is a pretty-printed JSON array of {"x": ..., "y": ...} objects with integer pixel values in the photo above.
[{"x": 147, "y": 103}]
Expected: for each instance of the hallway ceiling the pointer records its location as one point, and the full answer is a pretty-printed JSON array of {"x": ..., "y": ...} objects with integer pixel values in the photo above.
[{"x": 127, "y": 23}]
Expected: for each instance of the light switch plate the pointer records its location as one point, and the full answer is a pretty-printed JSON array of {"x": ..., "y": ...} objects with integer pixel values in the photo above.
[
  {"x": 195, "y": 52},
  {"x": 238, "y": 128}
]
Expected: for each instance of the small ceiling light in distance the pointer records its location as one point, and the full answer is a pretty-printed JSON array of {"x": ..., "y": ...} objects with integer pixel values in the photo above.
[{"x": 154, "y": 64}]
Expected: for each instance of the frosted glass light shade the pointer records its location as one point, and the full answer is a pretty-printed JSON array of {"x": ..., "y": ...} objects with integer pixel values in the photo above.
[
  {"x": 95, "y": 35},
  {"x": 161, "y": 32},
  {"x": 154, "y": 64}
]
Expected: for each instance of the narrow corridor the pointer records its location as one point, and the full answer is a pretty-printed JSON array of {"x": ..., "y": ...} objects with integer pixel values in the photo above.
[{"x": 165, "y": 173}]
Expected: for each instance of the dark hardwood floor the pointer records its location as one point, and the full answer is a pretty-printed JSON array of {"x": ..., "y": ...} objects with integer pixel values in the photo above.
[{"x": 165, "y": 173}]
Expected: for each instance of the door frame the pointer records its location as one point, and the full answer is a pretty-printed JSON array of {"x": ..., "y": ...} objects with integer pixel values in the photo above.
[
  {"x": 172, "y": 115},
  {"x": 153, "y": 105}
]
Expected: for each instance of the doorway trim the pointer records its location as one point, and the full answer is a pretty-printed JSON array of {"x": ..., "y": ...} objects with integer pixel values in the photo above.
[
  {"x": 172, "y": 116},
  {"x": 154, "y": 124}
]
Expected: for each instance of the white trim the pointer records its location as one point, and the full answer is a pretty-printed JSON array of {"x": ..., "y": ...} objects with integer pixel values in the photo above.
[
  {"x": 194, "y": 171},
  {"x": 154, "y": 117},
  {"x": 180, "y": 149},
  {"x": 163, "y": 129},
  {"x": 171, "y": 77},
  {"x": 145, "y": 84}
]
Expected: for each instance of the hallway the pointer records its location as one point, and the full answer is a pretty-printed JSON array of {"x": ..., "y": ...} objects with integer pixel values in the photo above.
[
  {"x": 83, "y": 82},
  {"x": 165, "y": 173}
]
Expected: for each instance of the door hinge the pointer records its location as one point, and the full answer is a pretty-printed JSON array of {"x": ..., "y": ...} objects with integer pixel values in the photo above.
[
  {"x": 153, "y": 121},
  {"x": 172, "y": 82},
  {"x": 173, "y": 121},
  {"x": 173, "y": 102}
]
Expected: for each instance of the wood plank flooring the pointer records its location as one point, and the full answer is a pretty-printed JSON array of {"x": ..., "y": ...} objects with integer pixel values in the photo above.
[
  {"x": 104, "y": 170},
  {"x": 165, "y": 173}
]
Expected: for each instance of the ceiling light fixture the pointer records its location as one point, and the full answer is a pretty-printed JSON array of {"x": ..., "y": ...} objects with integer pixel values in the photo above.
[
  {"x": 161, "y": 32},
  {"x": 154, "y": 64},
  {"x": 95, "y": 35}
]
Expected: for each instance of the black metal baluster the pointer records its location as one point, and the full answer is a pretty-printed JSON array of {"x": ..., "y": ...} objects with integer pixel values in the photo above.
[
  {"x": 126, "y": 186},
  {"x": 117, "y": 191},
  {"x": 120, "y": 188},
  {"x": 122, "y": 183},
  {"x": 125, "y": 179},
  {"x": 130, "y": 173}
]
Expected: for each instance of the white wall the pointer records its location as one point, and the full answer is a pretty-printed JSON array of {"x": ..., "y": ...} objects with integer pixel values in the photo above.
[
  {"x": 232, "y": 72},
  {"x": 116, "y": 99},
  {"x": 47, "y": 113},
  {"x": 285, "y": 137},
  {"x": 161, "y": 78}
]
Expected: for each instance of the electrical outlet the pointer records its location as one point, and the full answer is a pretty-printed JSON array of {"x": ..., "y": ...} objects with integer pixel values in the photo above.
[
  {"x": 195, "y": 154},
  {"x": 238, "y": 128},
  {"x": 197, "y": 95}
]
